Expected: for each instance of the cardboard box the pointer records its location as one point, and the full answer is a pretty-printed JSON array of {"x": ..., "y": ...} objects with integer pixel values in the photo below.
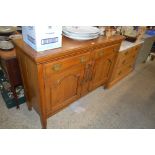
[{"x": 42, "y": 38}]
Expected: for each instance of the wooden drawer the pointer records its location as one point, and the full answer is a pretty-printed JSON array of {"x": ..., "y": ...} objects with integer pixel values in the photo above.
[
  {"x": 121, "y": 71},
  {"x": 137, "y": 47},
  {"x": 107, "y": 51},
  {"x": 126, "y": 53},
  {"x": 122, "y": 61},
  {"x": 127, "y": 56},
  {"x": 61, "y": 65}
]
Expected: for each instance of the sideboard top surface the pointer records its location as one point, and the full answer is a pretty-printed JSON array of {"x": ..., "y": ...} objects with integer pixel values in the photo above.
[{"x": 69, "y": 46}]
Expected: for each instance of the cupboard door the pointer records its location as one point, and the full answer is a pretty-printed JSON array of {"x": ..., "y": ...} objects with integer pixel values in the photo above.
[
  {"x": 63, "y": 88},
  {"x": 63, "y": 81},
  {"x": 101, "y": 71}
]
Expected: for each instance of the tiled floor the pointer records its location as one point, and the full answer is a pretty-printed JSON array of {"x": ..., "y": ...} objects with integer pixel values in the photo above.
[{"x": 129, "y": 104}]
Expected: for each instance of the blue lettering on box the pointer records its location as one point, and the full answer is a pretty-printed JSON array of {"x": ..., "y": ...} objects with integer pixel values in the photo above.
[{"x": 49, "y": 40}]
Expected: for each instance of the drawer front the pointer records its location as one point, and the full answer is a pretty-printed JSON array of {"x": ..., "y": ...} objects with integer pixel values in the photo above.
[
  {"x": 137, "y": 47},
  {"x": 123, "y": 70},
  {"x": 128, "y": 56},
  {"x": 107, "y": 51},
  {"x": 122, "y": 61},
  {"x": 61, "y": 65},
  {"x": 125, "y": 54}
]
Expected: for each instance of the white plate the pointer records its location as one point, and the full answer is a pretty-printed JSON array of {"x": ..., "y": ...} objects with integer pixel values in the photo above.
[
  {"x": 80, "y": 38},
  {"x": 80, "y": 35},
  {"x": 81, "y": 30}
]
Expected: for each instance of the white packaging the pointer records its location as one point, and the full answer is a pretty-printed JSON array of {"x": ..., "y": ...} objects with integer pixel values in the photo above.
[{"x": 42, "y": 38}]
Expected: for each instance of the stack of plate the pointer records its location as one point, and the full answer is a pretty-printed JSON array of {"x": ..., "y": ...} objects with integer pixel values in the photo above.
[{"x": 81, "y": 32}]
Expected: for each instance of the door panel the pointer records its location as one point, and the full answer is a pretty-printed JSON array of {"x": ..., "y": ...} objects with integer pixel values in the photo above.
[
  {"x": 63, "y": 87},
  {"x": 102, "y": 68}
]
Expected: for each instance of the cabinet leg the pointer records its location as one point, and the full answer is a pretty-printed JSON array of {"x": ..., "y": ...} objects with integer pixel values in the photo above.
[
  {"x": 29, "y": 106},
  {"x": 43, "y": 123},
  {"x": 105, "y": 86}
]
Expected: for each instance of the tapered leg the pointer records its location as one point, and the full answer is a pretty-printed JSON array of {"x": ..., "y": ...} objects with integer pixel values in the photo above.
[
  {"x": 29, "y": 106},
  {"x": 43, "y": 123}
]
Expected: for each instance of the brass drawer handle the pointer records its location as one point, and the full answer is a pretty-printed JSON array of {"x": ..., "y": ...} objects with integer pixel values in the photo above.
[
  {"x": 56, "y": 67},
  {"x": 83, "y": 59},
  {"x": 100, "y": 53}
]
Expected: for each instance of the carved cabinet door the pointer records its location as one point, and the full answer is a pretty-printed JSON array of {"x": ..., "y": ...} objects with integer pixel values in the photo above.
[
  {"x": 101, "y": 70},
  {"x": 63, "y": 83}
]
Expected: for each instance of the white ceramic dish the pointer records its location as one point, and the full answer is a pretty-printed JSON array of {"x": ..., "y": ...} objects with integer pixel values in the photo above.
[
  {"x": 81, "y": 30},
  {"x": 80, "y": 38}
]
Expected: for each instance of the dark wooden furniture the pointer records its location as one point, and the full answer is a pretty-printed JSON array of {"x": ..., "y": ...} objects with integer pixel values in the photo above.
[
  {"x": 10, "y": 66},
  {"x": 55, "y": 78},
  {"x": 124, "y": 65}
]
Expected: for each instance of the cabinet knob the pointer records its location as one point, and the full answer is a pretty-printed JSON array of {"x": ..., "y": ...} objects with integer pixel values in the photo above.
[
  {"x": 83, "y": 59},
  {"x": 56, "y": 67}
]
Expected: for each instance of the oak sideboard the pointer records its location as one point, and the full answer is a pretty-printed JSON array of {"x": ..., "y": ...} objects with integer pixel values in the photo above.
[{"x": 55, "y": 78}]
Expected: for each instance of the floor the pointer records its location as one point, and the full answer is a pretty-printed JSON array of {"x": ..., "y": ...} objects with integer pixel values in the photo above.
[{"x": 129, "y": 104}]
